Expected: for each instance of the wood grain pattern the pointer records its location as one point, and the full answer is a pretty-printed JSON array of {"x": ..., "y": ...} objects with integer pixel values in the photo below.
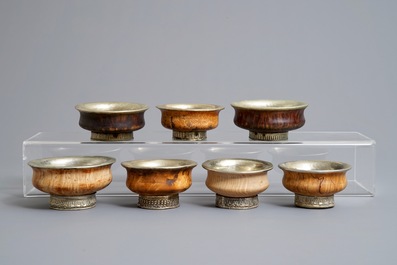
[
  {"x": 181, "y": 120},
  {"x": 158, "y": 182},
  {"x": 269, "y": 121},
  {"x": 237, "y": 185},
  {"x": 71, "y": 182},
  {"x": 314, "y": 184},
  {"x": 112, "y": 123}
]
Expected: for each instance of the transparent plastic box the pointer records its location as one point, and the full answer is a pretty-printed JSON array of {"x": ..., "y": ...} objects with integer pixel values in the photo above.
[{"x": 349, "y": 147}]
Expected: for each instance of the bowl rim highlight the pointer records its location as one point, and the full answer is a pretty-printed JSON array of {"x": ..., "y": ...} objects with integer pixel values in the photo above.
[
  {"x": 72, "y": 162},
  {"x": 190, "y": 107},
  {"x": 315, "y": 166},
  {"x": 237, "y": 165},
  {"x": 269, "y": 104},
  {"x": 159, "y": 164},
  {"x": 111, "y": 107}
]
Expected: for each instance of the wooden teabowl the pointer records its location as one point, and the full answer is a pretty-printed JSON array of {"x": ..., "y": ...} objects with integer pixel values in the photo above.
[
  {"x": 190, "y": 121},
  {"x": 111, "y": 121},
  {"x": 314, "y": 182},
  {"x": 72, "y": 181},
  {"x": 237, "y": 181},
  {"x": 269, "y": 120},
  {"x": 159, "y": 182}
]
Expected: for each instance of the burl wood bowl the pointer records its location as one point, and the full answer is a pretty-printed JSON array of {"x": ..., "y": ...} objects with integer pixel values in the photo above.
[
  {"x": 159, "y": 182},
  {"x": 269, "y": 120},
  {"x": 111, "y": 121},
  {"x": 314, "y": 182},
  {"x": 72, "y": 181},
  {"x": 190, "y": 121},
  {"x": 237, "y": 181}
]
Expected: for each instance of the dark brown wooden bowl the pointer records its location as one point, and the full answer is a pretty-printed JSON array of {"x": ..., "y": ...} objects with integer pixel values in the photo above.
[
  {"x": 111, "y": 121},
  {"x": 269, "y": 120},
  {"x": 190, "y": 121}
]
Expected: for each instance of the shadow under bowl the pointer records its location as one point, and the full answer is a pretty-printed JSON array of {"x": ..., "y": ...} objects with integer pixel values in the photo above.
[
  {"x": 190, "y": 121},
  {"x": 269, "y": 120},
  {"x": 237, "y": 181},
  {"x": 159, "y": 182},
  {"x": 111, "y": 121},
  {"x": 72, "y": 181},
  {"x": 314, "y": 182}
]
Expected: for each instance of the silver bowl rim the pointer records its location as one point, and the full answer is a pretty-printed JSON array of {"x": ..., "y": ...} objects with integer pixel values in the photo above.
[
  {"x": 315, "y": 166},
  {"x": 237, "y": 165},
  {"x": 72, "y": 162},
  {"x": 269, "y": 104},
  {"x": 108, "y": 107},
  {"x": 159, "y": 164},
  {"x": 197, "y": 107}
]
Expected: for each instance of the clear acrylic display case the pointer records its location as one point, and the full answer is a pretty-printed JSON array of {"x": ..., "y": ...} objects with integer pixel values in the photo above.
[{"x": 349, "y": 147}]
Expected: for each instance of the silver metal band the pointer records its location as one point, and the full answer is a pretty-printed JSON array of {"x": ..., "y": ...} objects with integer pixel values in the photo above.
[
  {"x": 236, "y": 203},
  {"x": 313, "y": 202},
  {"x": 67, "y": 203},
  {"x": 112, "y": 136},
  {"x": 158, "y": 202},
  {"x": 189, "y": 136},
  {"x": 268, "y": 136}
]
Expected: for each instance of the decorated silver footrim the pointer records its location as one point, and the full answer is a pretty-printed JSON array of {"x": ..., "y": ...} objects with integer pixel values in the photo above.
[
  {"x": 70, "y": 203},
  {"x": 268, "y": 136},
  {"x": 236, "y": 203},
  {"x": 112, "y": 136},
  {"x": 189, "y": 136},
  {"x": 314, "y": 202},
  {"x": 158, "y": 202}
]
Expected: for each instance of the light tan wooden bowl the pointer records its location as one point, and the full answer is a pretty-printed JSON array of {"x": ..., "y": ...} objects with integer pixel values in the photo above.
[
  {"x": 72, "y": 181},
  {"x": 237, "y": 181}
]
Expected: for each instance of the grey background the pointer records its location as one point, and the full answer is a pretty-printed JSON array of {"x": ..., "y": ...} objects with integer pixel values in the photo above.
[{"x": 338, "y": 56}]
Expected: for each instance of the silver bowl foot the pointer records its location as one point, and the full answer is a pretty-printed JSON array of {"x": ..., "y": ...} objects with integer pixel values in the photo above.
[
  {"x": 268, "y": 136},
  {"x": 236, "y": 203},
  {"x": 313, "y": 202},
  {"x": 70, "y": 203},
  {"x": 189, "y": 136},
  {"x": 158, "y": 202},
  {"x": 112, "y": 136}
]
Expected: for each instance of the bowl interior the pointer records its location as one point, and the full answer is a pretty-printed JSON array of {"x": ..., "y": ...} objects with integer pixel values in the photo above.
[
  {"x": 111, "y": 107},
  {"x": 72, "y": 162},
  {"x": 319, "y": 166},
  {"x": 237, "y": 165},
  {"x": 269, "y": 104},
  {"x": 159, "y": 164},
  {"x": 190, "y": 107}
]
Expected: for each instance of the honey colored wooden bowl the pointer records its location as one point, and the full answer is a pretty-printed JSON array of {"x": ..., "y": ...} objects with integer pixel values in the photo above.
[
  {"x": 314, "y": 182},
  {"x": 159, "y": 182},
  {"x": 72, "y": 181},
  {"x": 111, "y": 121},
  {"x": 190, "y": 121},
  {"x": 269, "y": 120},
  {"x": 237, "y": 181}
]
